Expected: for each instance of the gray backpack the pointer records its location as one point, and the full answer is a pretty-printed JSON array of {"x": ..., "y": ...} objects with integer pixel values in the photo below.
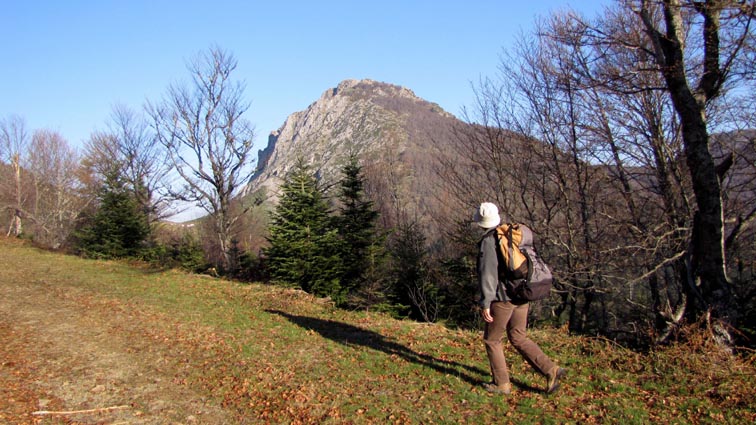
[{"x": 532, "y": 279}]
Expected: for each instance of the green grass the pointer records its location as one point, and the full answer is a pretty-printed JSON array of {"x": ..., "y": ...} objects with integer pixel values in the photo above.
[{"x": 280, "y": 355}]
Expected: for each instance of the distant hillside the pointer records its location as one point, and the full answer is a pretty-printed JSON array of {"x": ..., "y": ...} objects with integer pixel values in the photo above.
[{"x": 739, "y": 147}]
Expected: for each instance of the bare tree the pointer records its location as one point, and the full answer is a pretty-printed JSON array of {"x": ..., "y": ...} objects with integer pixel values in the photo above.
[
  {"x": 636, "y": 138},
  {"x": 39, "y": 184},
  {"x": 208, "y": 141},
  {"x": 13, "y": 141},
  {"x": 698, "y": 49},
  {"x": 131, "y": 149},
  {"x": 54, "y": 166}
]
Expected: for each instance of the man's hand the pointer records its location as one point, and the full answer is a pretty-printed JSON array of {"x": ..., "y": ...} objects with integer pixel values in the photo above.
[{"x": 486, "y": 313}]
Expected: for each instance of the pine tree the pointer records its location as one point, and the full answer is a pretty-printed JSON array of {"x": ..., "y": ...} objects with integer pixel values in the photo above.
[
  {"x": 357, "y": 229},
  {"x": 119, "y": 227},
  {"x": 304, "y": 244}
]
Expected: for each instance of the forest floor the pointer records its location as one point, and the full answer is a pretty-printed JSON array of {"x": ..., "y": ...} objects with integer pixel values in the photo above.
[{"x": 68, "y": 357}]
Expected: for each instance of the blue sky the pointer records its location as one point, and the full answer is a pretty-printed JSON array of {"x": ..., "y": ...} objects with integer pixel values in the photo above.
[{"x": 66, "y": 63}]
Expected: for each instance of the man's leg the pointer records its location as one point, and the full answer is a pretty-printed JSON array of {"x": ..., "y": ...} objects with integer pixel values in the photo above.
[
  {"x": 493, "y": 337},
  {"x": 516, "y": 331}
]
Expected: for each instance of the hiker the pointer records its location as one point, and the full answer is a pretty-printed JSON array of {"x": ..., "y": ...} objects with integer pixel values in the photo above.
[{"x": 502, "y": 315}]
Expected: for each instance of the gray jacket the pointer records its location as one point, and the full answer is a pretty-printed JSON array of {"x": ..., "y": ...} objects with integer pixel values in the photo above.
[{"x": 488, "y": 271}]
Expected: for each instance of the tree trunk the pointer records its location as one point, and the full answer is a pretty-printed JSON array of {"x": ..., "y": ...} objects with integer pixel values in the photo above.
[
  {"x": 713, "y": 294},
  {"x": 710, "y": 290},
  {"x": 16, "y": 228}
]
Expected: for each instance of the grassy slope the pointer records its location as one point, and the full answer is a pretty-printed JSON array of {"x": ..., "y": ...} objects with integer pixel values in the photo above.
[{"x": 280, "y": 355}]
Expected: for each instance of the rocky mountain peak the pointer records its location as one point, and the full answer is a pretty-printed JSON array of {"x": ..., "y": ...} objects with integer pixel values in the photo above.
[
  {"x": 369, "y": 118},
  {"x": 370, "y": 88}
]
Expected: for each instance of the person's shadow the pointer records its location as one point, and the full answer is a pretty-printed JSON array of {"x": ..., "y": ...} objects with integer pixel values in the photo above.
[{"x": 350, "y": 335}]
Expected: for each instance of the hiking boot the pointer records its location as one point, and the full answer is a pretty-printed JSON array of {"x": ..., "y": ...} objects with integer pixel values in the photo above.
[
  {"x": 553, "y": 377},
  {"x": 499, "y": 389}
]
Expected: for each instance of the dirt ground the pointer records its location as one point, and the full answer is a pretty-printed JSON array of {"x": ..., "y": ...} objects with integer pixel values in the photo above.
[{"x": 66, "y": 357}]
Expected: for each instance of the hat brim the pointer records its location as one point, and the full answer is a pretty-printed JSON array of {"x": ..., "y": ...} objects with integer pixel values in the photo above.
[{"x": 488, "y": 222}]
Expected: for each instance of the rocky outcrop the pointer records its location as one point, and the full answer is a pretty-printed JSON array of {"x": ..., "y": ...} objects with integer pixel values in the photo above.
[{"x": 374, "y": 120}]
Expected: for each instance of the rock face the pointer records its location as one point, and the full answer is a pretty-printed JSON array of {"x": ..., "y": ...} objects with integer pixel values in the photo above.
[{"x": 386, "y": 126}]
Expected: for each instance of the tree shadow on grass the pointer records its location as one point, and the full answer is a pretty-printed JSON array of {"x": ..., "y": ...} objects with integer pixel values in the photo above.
[{"x": 350, "y": 335}]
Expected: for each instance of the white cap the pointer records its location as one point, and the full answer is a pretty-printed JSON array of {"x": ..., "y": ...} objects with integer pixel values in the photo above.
[{"x": 487, "y": 215}]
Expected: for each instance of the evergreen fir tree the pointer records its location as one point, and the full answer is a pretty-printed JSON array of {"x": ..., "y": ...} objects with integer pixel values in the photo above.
[
  {"x": 304, "y": 245},
  {"x": 119, "y": 227},
  {"x": 188, "y": 254},
  {"x": 413, "y": 285},
  {"x": 357, "y": 228}
]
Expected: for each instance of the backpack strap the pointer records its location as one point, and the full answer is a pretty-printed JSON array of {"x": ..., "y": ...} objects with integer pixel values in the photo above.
[{"x": 511, "y": 254}]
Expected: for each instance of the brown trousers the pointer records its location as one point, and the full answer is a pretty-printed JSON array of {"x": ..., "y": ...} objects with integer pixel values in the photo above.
[{"x": 513, "y": 319}]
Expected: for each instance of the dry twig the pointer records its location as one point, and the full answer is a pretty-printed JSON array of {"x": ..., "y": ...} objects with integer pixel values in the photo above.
[{"x": 73, "y": 412}]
